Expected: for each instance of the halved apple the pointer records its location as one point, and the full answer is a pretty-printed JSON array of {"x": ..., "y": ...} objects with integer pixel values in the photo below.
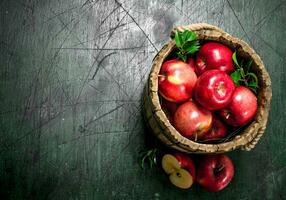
[
  {"x": 170, "y": 164},
  {"x": 178, "y": 176},
  {"x": 181, "y": 178}
]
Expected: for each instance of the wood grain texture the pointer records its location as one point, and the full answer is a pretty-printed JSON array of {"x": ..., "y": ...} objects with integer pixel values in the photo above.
[{"x": 72, "y": 77}]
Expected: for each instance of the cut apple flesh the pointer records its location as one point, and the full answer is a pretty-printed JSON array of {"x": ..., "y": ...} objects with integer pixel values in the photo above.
[
  {"x": 170, "y": 164},
  {"x": 181, "y": 178}
]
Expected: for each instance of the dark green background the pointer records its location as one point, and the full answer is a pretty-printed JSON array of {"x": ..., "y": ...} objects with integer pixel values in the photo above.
[{"x": 72, "y": 75}]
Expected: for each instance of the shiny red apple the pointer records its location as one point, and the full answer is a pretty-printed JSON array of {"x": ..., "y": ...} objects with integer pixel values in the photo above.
[
  {"x": 176, "y": 81},
  {"x": 241, "y": 109},
  {"x": 214, "y": 89},
  {"x": 213, "y": 55},
  {"x": 217, "y": 131},
  {"x": 215, "y": 172},
  {"x": 192, "y": 120},
  {"x": 180, "y": 168},
  {"x": 169, "y": 108},
  {"x": 186, "y": 162},
  {"x": 191, "y": 63}
]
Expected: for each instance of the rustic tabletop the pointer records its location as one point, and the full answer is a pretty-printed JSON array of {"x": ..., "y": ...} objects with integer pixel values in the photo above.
[{"x": 72, "y": 76}]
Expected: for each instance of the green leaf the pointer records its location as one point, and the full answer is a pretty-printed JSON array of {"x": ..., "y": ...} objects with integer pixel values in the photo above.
[
  {"x": 241, "y": 70},
  {"x": 235, "y": 59},
  {"x": 236, "y": 77},
  {"x": 186, "y": 43},
  {"x": 191, "y": 47},
  {"x": 148, "y": 157},
  {"x": 188, "y": 36},
  {"x": 184, "y": 35},
  {"x": 242, "y": 63},
  {"x": 248, "y": 66},
  {"x": 178, "y": 39},
  {"x": 253, "y": 76},
  {"x": 182, "y": 56},
  {"x": 150, "y": 160},
  {"x": 242, "y": 76},
  {"x": 142, "y": 162},
  {"x": 253, "y": 84}
]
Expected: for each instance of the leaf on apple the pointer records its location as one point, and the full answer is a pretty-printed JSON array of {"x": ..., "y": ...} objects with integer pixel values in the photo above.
[
  {"x": 236, "y": 77},
  {"x": 186, "y": 43},
  {"x": 189, "y": 36},
  {"x": 182, "y": 56},
  {"x": 178, "y": 39},
  {"x": 242, "y": 74},
  {"x": 235, "y": 59},
  {"x": 248, "y": 65},
  {"x": 192, "y": 47}
]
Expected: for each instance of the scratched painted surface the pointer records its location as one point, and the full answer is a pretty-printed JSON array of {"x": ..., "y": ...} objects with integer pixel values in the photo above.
[{"x": 72, "y": 75}]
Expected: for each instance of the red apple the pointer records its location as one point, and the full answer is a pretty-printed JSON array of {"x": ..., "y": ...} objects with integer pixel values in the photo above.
[
  {"x": 215, "y": 172},
  {"x": 213, "y": 55},
  {"x": 186, "y": 162},
  {"x": 192, "y": 120},
  {"x": 217, "y": 131},
  {"x": 241, "y": 109},
  {"x": 169, "y": 108},
  {"x": 191, "y": 63},
  {"x": 180, "y": 168},
  {"x": 214, "y": 89},
  {"x": 176, "y": 81}
]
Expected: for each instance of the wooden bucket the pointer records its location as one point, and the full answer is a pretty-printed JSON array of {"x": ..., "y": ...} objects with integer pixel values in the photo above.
[{"x": 160, "y": 125}]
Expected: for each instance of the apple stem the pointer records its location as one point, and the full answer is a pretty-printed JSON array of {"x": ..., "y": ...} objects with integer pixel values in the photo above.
[
  {"x": 218, "y": 169},
  {"x": 196, "y": 136}
]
